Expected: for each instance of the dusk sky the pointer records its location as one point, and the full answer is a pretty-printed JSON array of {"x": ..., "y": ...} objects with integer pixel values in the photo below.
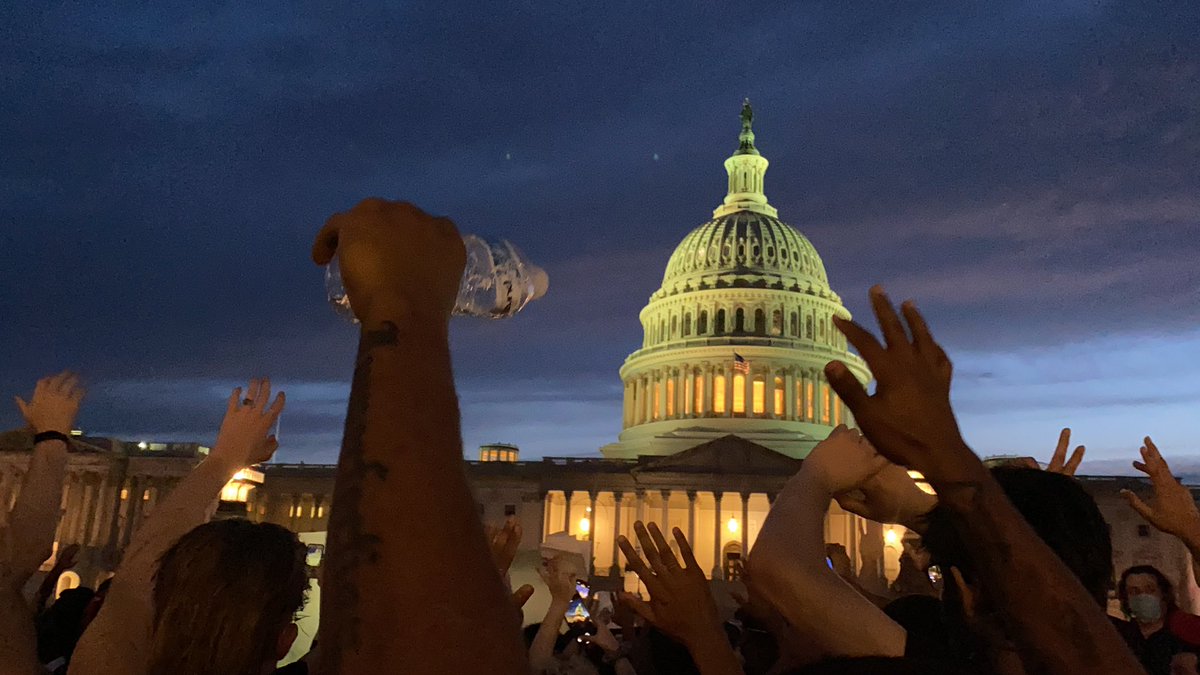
[{"x": 1029, "y": 172}]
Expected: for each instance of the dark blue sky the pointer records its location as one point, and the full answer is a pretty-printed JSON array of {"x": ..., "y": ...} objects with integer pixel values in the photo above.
[{"x": 1027, "y": 170}]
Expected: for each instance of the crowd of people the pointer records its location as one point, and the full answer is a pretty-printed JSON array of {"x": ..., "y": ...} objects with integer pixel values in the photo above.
[{"x": 1024, "y": 556}]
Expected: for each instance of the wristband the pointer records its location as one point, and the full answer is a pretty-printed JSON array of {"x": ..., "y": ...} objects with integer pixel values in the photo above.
[{"x": 51, "y": 436}]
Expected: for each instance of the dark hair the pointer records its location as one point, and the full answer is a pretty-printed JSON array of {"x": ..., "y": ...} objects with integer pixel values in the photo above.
[
  {"x": 1164, "y": 586},
  {"x": 59, "y": 627},
  {"x": 1062, "y": 514},
  {"x": 223, "y": 595}
]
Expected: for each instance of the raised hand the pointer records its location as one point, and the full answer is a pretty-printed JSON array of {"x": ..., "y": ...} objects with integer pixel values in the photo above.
[
  {"x": 503, "y": 542},
  {"x": 890, "y": 496},
  {"x": 681, "y": 603},
  {"x": 54, "y": 404},
  {"x": 396, "y": 260},
  {"x": 1059, "y": 462},
  {"x": 908, "y": 418},
  {"x": 1172, "y": 508},
  {"x": 244, "y": 436},
  {"x": 559, "y": 574},
  {"x": 604, "y": 637},
  {"x": 843, "y": 461}
]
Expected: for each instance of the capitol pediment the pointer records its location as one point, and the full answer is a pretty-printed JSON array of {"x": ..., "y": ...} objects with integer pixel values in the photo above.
[{"x": 730, "y": 454}]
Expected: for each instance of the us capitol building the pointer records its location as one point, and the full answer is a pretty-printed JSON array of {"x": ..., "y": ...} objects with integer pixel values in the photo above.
[{"x": 722, "y": 401}]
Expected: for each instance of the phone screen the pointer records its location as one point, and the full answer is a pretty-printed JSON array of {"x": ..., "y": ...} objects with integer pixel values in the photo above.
[
  {"x": 315, "y": 553},
  {"x": 577, "y": 611},
  {"x": 829, "y": 562},
  {"x": 582, "y": 588}
]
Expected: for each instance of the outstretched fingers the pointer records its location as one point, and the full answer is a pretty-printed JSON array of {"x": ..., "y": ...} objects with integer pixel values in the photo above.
[
  {"x": 665, "y": 554},
  {"x": 848, "y": 388},
  {"x": 641, "y": 607},
  {"x": 685, "y": 550},
  {"x": 889, "y": 323},
  {"x": 649, "y": 547},
  {"x": 326, "y": 244}
]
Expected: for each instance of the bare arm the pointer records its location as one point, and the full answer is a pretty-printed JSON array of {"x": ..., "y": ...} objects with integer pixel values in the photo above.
[
  {"x": 910, "y": 420},
  {"x": 404, "y": 537},
  {"x": 788, "y": 560},
  {"x": 559, "y": 576},
  {"x": 29, "y": 536},
  {"x": 1172, "y": 509},
  {"x": 118, "y": 640}
]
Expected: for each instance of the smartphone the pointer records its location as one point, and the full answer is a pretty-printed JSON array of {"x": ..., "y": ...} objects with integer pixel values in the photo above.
[
  {"x": 829, "y": 562},
  {"x": 582, "y": 588},
  {"x": 315, "y": 553},
  {"x": 577, "y": 612}
]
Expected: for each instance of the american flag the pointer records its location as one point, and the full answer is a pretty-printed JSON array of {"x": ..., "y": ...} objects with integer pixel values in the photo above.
[{"x": 739, "y": 364}]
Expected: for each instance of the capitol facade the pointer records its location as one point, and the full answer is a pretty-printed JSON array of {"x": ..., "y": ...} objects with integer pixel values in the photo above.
[{"x": 722, "y": 401}]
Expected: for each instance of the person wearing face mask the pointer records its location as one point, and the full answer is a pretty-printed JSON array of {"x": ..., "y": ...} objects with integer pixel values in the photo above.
[{"x": 1158, "y": 629}]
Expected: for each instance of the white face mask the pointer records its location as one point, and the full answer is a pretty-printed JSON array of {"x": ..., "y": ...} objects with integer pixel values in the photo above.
[{"x": 1145, "y": 607}]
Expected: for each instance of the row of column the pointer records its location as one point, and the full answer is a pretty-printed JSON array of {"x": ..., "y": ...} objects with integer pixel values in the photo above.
[
  {"x": 709, "y": 391},
  {"x": 640, "y": 512},
  {"x": 97, "y": 508}
]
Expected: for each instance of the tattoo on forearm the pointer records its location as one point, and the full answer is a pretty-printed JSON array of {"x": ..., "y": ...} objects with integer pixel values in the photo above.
[{"x": 350, "y": 545}]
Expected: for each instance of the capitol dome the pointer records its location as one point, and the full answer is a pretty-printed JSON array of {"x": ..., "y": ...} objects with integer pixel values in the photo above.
[{"x": 737, "y": 337}]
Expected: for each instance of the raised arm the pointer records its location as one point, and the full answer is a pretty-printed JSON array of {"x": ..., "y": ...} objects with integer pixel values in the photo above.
[
  {"x": 1172, "y": 509},
  {"x": 909, "y": 419},
  {"x": 559, "y": 576},
  {"x": 117, "y": 642},
  {"x": 788, "y": 559},
  {"x": 404, "y": 536},
  {"x": 681, "y": 603},
  {"x": 28, "y": 538}
]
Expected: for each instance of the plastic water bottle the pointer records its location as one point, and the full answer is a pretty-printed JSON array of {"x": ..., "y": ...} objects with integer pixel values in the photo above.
[{"x": 498, "y": 281}]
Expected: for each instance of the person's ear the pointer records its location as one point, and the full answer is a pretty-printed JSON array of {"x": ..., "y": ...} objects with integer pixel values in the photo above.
[
  {"x": 286, "y": 637},
  {"x": 966, "y": 593}
]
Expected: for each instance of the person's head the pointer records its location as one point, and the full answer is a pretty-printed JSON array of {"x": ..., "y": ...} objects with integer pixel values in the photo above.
[
  {"x": 60, "y": 626},
  {"x": 1063, "y": 515},
  {"x": 225, "y": 597},
  {"x": 1145, "y": 593}
]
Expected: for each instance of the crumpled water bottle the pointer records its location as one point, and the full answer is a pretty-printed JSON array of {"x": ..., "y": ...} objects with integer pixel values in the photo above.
[{"x": 498, "y": 281}]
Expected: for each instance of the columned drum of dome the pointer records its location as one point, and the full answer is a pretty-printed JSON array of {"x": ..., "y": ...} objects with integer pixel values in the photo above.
[{"x": 737, "y": 338}]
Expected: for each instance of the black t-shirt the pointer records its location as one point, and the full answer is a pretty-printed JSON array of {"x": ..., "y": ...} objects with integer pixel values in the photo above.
[{"x": 1154, "y": 651}]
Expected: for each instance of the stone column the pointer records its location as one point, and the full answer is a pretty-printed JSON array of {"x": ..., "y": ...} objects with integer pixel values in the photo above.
[
  {"x": 618, "y": 497},
  {"x": 745, "y": 525},
  {"x": 664, "y": 524},
  {"x": 818, "y": 400},
  {"x": 789, "y": 394},
  {"x": 728, "y": 391},
  {"x": 750, "y": 395},
  {"x": 647, "y": 398},
  {"x": 708, "y": 390},
  {"x": 691, "y": 524},
  {"x": 96, "y": 490},
  {"x": 545, "y": 515},
  {"x": 769, "y": 394},
  {"x": 716, "y": 573},
  {"x": 567, "y": 494}
]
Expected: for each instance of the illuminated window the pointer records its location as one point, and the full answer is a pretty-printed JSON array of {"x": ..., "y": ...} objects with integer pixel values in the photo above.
[
  {"x": 837, "y": 411},
  {"x": 808, "y": 398},
  {"x": 654, "y": 411},
  {"x": 124, "y": 494},
  {"x": 759, "y": 396},
  {"x": 702, "y": 325},
  {"x": 262, "y": 510},
  {"x": 699, "y": 391},
  {"x": 671, "y": 397},
  {"x": 825, "y": 404},
  {"x": 292, "y": 511},
  {"x": 739, "y": 393},
  {"x": 146, "y": 495},
  {"x": 312, "y": 512},
  {"x": 719, "y": 394},
  {"x": 779, "y": 391}
]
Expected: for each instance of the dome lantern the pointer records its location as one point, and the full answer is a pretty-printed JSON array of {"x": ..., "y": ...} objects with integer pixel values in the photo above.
[{"x": 746, "y": 169}]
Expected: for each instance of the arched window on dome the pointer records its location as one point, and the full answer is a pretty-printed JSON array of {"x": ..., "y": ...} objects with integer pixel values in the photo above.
[
  {"x": 760, "y": 322},
  {"x": 777, "y": 322},
  {"x": 719, "y": 393},
  {"x": 795, "y": 325},
  {"x": 739, "y": 320},
  {"x": 687, "y": 324},
  {"x": 780, "y": 409},
  {"x": 719, "y": 324},
  {"x": 702, "y": 324},
  {"x": 662, "y": 330},
  {"x": 823, "y": 321},
  {"x": 674, "y": 326},
  {"x": 808, "y": 327}
]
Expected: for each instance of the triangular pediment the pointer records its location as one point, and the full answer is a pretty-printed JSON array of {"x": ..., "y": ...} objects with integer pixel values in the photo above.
[{"x": 726, "y": 455}]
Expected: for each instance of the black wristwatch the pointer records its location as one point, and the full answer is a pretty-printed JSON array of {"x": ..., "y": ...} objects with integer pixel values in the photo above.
[{"x": 51, "y": 436}]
